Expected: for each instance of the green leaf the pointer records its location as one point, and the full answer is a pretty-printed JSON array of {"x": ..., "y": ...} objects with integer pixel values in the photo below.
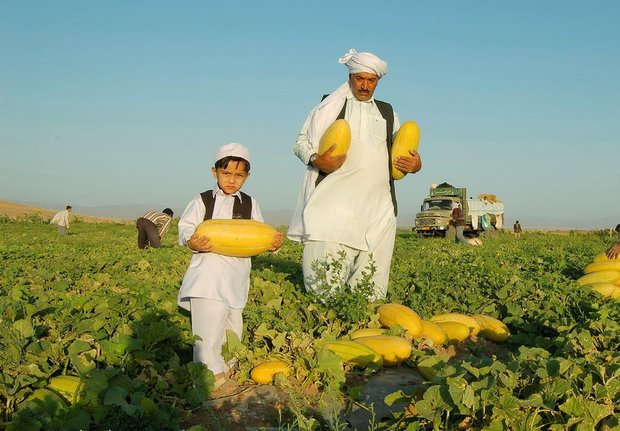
[
  {"x": 116, "y": 396},
  {"x": 509, "y": 407},
  {"x": 24, "y": 327},
  {"x": 233, "y": 347},
  {"x": 78, "y": 346},
  {"x": 469, "y": 399},
  {"x": 432, "y": 406},
  {"x": 201, "y": 381},
  {"x": 274, "y": 303},
  {"x": 82, "y": 356},
  {"x": 143, "y": 265},
  {"x": 279, "y": 341},
  {"x": 573, "y": 407},
  {"x": 397, "y": 397},
  {"x": 534, "y": 400},
  {"x": 328, "y": 361},
  {"x": 263, "y": 331},
  {"x": 585, "y": 412}
]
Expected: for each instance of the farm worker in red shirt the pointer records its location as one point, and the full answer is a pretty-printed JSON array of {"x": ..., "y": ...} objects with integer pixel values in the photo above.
[{"x": 458, "y": 221}]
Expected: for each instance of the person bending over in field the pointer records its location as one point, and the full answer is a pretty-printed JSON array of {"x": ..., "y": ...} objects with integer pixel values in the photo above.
[
  {"x": 61, "y": 218},
  {"x": 215, "y": 287},
  {"x": 152, "y": 227}
]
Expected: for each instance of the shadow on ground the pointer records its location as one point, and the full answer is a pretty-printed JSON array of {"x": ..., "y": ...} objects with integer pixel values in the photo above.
[{"x": 267, "y": 407}]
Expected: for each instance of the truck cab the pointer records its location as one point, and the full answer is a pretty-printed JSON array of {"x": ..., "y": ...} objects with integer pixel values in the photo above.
[{"x": 434, "y": 216}]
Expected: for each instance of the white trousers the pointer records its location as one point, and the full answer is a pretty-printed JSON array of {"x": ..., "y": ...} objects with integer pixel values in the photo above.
[
  {"x": 210, "y": 320},
  {"x": 355, "y": 263}
]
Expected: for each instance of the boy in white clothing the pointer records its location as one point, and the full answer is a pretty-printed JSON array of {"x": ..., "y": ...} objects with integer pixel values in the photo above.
[{"x": 215, "y": 287}]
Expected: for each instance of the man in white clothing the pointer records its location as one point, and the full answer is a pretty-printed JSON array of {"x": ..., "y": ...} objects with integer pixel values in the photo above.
[
  {"x": 61, "y": 218},
  {"x": 347, "y": 204}
]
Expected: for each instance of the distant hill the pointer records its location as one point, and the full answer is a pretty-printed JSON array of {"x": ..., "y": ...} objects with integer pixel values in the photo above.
[
  {"x": 15, "y": 211},
  {"x": 129, "y": 213}
]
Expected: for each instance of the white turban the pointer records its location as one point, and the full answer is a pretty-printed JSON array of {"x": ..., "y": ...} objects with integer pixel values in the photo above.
[{"x": 359, "y": 62}]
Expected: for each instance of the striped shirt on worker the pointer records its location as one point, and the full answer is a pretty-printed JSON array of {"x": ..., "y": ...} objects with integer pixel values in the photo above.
[{"x": 161, "y": 220}]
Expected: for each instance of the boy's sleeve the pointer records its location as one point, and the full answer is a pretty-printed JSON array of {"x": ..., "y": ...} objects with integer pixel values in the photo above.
[
  {"x": 192, "y": 216},
  {"x": 256, "y": 214}
]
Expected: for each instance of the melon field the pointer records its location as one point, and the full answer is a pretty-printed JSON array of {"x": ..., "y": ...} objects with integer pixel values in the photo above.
[{"x": 92, "y": 306}]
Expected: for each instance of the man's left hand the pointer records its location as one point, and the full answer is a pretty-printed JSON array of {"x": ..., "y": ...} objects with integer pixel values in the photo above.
[
  {"x": 409, "y": 165},
  {"x": 278, "y": 239}
]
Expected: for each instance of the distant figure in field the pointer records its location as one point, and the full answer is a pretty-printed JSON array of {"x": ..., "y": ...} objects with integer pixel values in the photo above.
[
  {"x": 614, "y": 250},
  {"x": 61, "y": 218},
  {"x": 458, "y": 221},
  {"x": 517, "y": 229},
  {"x": 152, "y": 226}
]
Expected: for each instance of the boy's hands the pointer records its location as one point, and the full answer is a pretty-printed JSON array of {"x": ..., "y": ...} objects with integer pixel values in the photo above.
[
  {"x": 203, "y": 243},
  {"x": 278, "y": 239},
  {"x": 200, "y": 243}
]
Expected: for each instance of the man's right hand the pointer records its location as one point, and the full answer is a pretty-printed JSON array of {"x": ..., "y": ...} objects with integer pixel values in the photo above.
[
  {"x": 329, "y": 163},
  {"x": 614, "y": 251}
]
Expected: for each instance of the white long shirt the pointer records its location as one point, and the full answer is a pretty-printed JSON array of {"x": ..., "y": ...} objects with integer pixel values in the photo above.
[
  {"x": 354, "y": 201},
  {"x": 61, "y": 218},
  {"x": 212, "y": 275}
]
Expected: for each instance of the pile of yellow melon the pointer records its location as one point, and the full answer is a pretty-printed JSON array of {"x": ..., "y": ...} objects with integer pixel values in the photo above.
[
  {"x": 603, "y": 276},
  {"x": 374, "y": 347},
  {"x": 442, "y": 328}
]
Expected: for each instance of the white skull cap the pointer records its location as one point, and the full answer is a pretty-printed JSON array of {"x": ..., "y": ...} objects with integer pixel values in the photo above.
[{"x": 232, "y": 150}]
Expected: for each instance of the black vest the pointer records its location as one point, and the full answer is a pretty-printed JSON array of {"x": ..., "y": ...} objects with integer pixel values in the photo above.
[
  {"x": 387, "y": 112},
  {"x": 241, "y": 209}
]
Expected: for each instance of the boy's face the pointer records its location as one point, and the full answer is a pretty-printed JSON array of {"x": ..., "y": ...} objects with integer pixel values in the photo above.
[{"x": 231, "y": 177}]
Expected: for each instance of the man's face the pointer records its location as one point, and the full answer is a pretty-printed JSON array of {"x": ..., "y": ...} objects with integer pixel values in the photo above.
[{"x": 363, "y": 85}]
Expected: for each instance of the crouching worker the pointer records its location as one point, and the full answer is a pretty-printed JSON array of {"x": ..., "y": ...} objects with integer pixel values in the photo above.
[
  {"x": 152, "y": 227},
  {"x": 215, "y": 287}
]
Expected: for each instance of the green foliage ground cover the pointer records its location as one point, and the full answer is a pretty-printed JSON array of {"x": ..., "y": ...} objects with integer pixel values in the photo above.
[{"x": 93, "y": 305}]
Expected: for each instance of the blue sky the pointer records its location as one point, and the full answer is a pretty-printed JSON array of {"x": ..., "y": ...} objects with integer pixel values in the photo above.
[{"x": 119, "y": 106}]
